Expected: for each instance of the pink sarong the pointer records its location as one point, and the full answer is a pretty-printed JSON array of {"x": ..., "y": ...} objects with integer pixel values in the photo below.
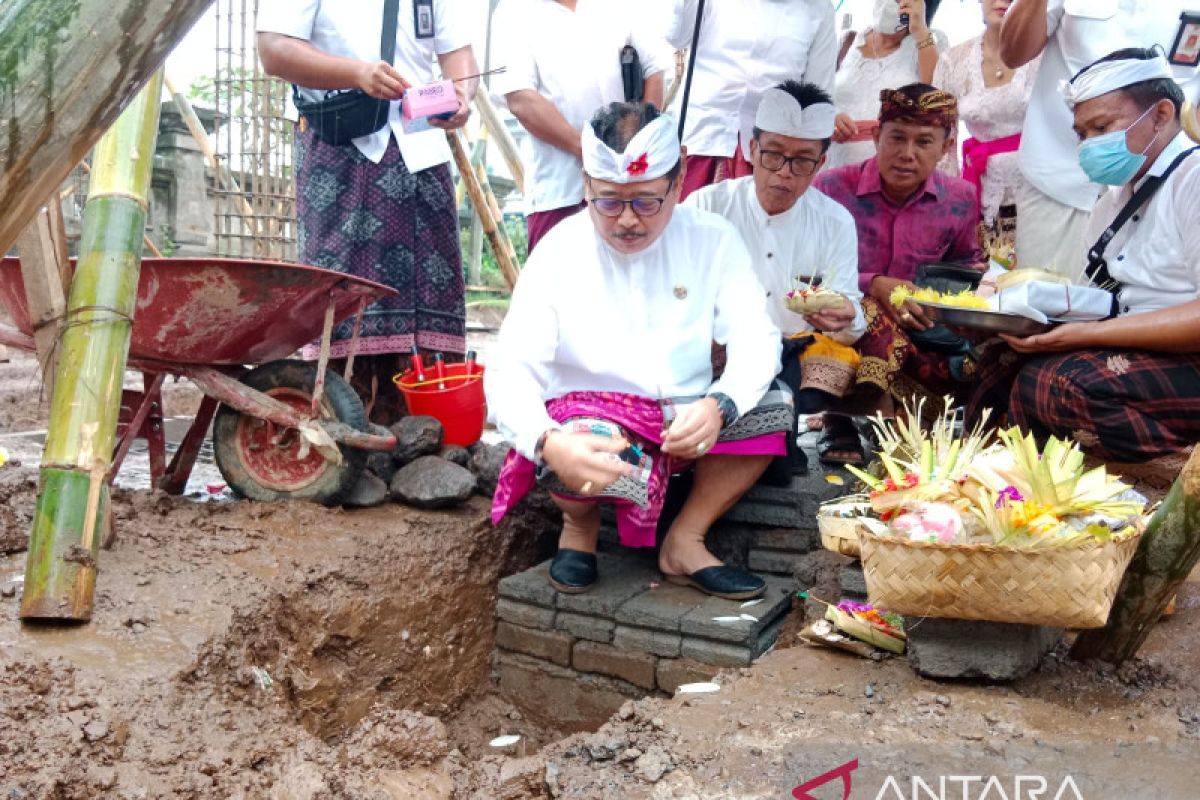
[
  {"x": 976, "y": 155},
  {"x": 642, "y": 417}
]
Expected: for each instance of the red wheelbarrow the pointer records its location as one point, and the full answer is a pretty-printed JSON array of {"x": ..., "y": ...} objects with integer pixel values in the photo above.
[{"x": 282, "y": 430}]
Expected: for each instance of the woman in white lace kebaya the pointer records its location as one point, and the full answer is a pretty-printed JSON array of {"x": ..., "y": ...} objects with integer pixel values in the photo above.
[
  {"x": 886, "y": 55},
  {"x": 991, "y": 103}
]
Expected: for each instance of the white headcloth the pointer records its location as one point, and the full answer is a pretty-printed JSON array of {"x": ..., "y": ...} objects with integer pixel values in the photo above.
[
  {"x": 779, "y": 112},
  {"x": 1109, "y": 76},
  {"x": 650, "y": 154}
]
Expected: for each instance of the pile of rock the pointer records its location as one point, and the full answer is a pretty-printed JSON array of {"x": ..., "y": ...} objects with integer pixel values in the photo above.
[{"x": 423, "y": 472}]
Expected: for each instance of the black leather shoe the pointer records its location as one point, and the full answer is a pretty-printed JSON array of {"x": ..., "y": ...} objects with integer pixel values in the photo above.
[
  {"x": 724, "y": 581},
  {"x": 573, "y": 571}
]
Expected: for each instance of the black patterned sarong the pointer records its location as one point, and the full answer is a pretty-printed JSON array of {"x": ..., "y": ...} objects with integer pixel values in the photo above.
[
  {"x": 1119, "y": 405},
  {"x": 386, "y": 224}
]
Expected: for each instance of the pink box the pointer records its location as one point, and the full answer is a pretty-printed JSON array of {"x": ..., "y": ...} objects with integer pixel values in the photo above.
[{"x": 426, "y": 101}]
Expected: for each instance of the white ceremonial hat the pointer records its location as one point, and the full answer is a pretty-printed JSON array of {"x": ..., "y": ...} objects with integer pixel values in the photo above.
[
  {"x": 779, "y": 112},
  {"x": 650, "y": 154},
  {"x": 1109, "y": 76}
]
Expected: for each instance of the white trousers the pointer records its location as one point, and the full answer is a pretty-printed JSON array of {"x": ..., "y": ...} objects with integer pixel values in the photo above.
[{"x": 1050, "y": 235}]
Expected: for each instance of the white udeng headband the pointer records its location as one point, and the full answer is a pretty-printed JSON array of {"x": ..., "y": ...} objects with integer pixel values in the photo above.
[
  {"x": 650, "y": 154},
  {"x": 779, "y": 112},
  {"x": 1109, "y": 76}
]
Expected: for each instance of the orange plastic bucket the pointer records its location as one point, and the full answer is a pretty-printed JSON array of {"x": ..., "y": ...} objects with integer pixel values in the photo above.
[{"x": 460, "y": 406}]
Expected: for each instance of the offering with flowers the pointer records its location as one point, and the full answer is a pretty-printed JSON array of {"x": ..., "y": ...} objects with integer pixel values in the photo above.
[
  {"x": 976, "y": 489},
  {"x": 964, "y": 299}
]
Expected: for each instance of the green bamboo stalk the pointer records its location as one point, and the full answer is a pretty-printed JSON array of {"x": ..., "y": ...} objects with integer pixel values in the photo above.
[
  {"x": 60, "y": 573},
  {"x": 1168, "y": 551}
]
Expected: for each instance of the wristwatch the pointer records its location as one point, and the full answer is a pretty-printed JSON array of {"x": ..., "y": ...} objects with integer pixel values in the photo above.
[{"x": 728, "y": 409}]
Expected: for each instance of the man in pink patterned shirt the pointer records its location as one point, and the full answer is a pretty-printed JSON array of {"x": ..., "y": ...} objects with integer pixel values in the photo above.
[{"x": 907, "y": 214}]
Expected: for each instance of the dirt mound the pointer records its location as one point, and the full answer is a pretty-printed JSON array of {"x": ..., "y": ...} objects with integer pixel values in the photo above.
[{"x": 18, "y": 492}]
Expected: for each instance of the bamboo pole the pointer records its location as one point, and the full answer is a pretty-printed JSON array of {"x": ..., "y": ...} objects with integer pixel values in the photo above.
[
  {"x": 1166, "y": 555},
  {"x": 60, "y": 572},
  {"x": 491, "y": 229},
  {"x": 504, "y": 139},
  {"x": 68, "y": 70},
  {"x": 43, "y": 267}
]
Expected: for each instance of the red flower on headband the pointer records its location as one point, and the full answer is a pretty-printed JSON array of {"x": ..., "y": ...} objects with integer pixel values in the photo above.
[{"x": 639, "y": 165}]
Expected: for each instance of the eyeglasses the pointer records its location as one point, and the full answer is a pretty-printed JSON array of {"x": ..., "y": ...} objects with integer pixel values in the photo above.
[
  {"x": 615, "y": 206},
  {"x": 801, "y": 166}
]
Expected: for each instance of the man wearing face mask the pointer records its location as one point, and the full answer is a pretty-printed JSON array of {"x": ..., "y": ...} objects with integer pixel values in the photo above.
[
  {"x": 1072, "y": 34},
  {"x": 1128, "y": 387}
]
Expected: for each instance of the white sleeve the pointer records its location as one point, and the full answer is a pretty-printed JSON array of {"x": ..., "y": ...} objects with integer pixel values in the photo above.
[
  {"x": 1054, "y": 15},
  {"x": 682, "y": 23},
  {"x": 451, "y": 28},
  {"x": 511, "y": 46},
  {"x": 821, "y": 64},
  {"x": 1187, "y": 212},
  {"x": 656, "y": 55},
  {"x": 293, "y": 18},
  {"x": 743, "y": 324},
  {"x": 843, "y": 264},
  {"x": 514, "y": 382}
]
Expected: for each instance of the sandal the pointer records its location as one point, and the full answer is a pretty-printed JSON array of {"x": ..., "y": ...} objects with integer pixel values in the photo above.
[{"x": 840, "y": 442}]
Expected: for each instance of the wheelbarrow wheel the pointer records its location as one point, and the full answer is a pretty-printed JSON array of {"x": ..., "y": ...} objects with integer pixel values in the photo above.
[{"x": 263, "y": 461}]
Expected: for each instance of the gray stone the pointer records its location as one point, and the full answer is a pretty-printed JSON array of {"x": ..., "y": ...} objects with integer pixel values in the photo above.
[
  {"x": 486, "y": 461},
  {"x": 717, "y": 654},
  {"x": 415, "y": 437},
  {"x": 456, "y": 455},
  {"x": 701, "y": 620},
  {"x": 525, "y": 614},
  {"x": 653, "y": 764},
  {"x": 430, "y": 482},
  {"x": 852, "y": 581},
  {"x": 382, "y": 465},
  {"x": 776, "y": 562},
  {"x": 584, "y": 626},
  {"x": 622, "y": 575},
  {"x": 948, "y": 648},
  {"x": 530, "y": 586},
  {"x": 795, "y": 540},
  {"x": 660, "y": 608},
  {"x": 369, "y": 490},
  {"x": 660, "y": 643}
]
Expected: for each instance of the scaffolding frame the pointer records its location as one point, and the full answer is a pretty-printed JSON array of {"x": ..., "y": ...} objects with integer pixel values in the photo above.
[{"x": 254, "y": 204}]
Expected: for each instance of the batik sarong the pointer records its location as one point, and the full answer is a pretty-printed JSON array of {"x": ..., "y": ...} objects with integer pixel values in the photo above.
[
  {"x": 759, "y": 432},
  {"x": 386, "y": 224},
  {"x": 1119, "y": 405}
]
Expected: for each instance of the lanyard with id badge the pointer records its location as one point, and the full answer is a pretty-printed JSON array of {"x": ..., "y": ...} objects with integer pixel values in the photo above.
[{"x": 423, "y": 25}]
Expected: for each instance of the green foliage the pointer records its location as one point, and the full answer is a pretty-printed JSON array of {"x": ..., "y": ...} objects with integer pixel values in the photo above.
[{"x": 514, "y": 225}]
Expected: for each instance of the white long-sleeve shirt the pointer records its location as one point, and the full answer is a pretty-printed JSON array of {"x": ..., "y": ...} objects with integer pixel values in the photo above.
[
  {"x": 814, "y": 237},
  {"x": 572, "y": 58},
  {"x": 586, "y": 318},
  {"x": 745, "y": 48}
]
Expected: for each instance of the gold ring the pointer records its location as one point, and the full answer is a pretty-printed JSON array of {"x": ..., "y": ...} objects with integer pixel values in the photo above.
[
  {"x": 906, "y": 316},
  {"x": 587, "y": 487}
]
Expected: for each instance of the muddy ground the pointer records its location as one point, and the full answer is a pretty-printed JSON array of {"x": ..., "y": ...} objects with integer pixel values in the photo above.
[{"x": 291, "y": 651}]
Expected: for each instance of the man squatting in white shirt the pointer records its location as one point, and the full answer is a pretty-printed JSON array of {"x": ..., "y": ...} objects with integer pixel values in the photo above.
[
  {"x": 799, "y": 239},
  {"x": 610, "y": 328}
]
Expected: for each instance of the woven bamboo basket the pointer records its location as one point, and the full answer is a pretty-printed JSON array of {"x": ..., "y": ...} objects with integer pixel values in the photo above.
[
  {"x": 838, "y": 524},
  {"x": 1064, "y": 587}
]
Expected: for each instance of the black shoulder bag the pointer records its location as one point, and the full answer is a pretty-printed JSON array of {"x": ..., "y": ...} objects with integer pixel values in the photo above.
[
  {"x": 1097, "y": 268},
  {"x": 349, "y": 113},
  {"x": 631, "y": 74}
]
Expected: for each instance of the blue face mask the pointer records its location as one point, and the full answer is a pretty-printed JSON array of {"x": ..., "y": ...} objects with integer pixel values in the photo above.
[{"x": 1107, "y": 159}]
